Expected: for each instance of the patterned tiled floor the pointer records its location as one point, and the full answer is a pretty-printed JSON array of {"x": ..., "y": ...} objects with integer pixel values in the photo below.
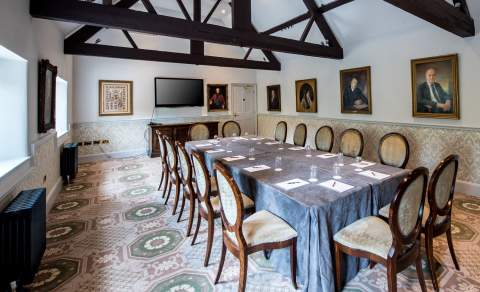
[{"x": 110, "y": 231}]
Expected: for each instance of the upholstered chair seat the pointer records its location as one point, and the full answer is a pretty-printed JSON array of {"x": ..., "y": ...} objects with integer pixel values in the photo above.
[
  {"x": 370, "y": 234},
  {"x": 426, "y": 211},
  {"x": 247, "y": 203},
  {"x": 198, "y": 132},
  {"x": 264, "y": 227}
]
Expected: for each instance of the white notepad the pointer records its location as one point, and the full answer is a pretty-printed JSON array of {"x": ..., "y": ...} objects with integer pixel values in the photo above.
[
  {"x": 336, "y": 186},
  {"x": 272, "y": 143},
  {"x": 203, "y": 145},
  {"x": 292, "y": 184},
  {"x": 296, "y": 148},
  {"x": 257, "y": 168},
  {"x": 215, "y": 151},
  {"x": 328, "y": 155},
  {"x": 234, "y": 158},
  {"x": 363, "y": 164},
  {"x": 239, "y": 139},
  {"x": 257, "y": 138},
  {"x": 374, "y": 174}
]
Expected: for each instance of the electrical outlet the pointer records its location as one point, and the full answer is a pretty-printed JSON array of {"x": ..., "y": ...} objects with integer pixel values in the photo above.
[
  {"x": 96, "y": 142},
  {"x": 105, "y": 141},
  {"x": 87, "y": 143}
]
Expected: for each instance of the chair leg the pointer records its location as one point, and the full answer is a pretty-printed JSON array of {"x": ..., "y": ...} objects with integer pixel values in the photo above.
[
  {"x": 161, "y": 180},
  {"x": 338, "y": 268},
  {"x": 421, "y": 278},
  {"x": 222, "y": 261},
  {"x": 177, "y": 196},
  {"x": 392, "y": 277},
  {"x": 182, "y": 206},
  {"x": 242, "y": 282},
  {"x": 372, "y": 264},
  {"x": 293, "y": 263},
  {"x": 167, "y": 181},
  {"x": 211, "y": 227},
  {"x": 450, "y": 247},
  {"x": 168, "y": 192},
  {"x": 191, "y": 215},
  {"x": 199, "y": 221},
  {"x": 431, "y": 259}
]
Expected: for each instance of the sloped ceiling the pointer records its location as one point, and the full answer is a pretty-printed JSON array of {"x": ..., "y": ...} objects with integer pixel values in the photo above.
[{"x": 353, "y": 24}]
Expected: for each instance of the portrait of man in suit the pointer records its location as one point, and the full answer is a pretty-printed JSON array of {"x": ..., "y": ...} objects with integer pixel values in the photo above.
[
  {"x": 356, "y": 91},
  {"x": 273, "y": 98},
  {"x": 435, "y": 87}
]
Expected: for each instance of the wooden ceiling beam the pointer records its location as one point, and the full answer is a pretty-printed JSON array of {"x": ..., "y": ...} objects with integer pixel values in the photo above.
[
  {"x": 439, "y": 13},
  {"x": 130, "y": 39},
  {"x": 148, "y": 5},
  {"x": 197, "y": 47},
  {"x": 307, "y": 29},
  {"x": 207, "y": 18},
  {"x": 131, "y": 20},
  {"x": 322, "y": 23},
  {"x": 241, "y": 14},
  {"x": 184, "y": 10},
  {"x": 170, "y": 57}
]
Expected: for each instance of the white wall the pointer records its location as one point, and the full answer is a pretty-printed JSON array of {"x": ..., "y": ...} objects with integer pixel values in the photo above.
[
  {"x": 389, "y": 55},
  {"x": 34, "y": 39},
  {"x": 89, "y": 70}
]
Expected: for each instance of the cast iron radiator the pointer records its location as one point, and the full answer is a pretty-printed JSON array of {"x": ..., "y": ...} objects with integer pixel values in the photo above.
[
  {"x": 69, "y": 161},
  {"x": 22, "y": 237}
]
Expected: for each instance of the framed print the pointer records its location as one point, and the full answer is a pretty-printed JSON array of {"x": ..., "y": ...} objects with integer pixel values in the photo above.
[
  {"x": 435, "y": 87},
  {"x": 306, "y": 95},
  {"x": 274, "y": 99},
  {"x": 47, "y": 75},
  {"x": 217, "y": 97},
  {"x": 355, "y": 90},
  {"x": 115, "y": 98}
]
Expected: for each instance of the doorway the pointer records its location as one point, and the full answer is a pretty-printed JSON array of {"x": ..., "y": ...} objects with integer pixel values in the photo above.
[{"x": 244, "y": 97}]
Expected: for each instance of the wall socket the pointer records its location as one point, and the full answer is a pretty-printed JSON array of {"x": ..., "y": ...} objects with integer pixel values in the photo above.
[{"x": 93, "y": 142}]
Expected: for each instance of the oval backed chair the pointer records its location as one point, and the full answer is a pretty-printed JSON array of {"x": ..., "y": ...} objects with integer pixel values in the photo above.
[
  {"x": 394, "y": 150},
  {"x": 198, "y": 132},
  {"x": 351, "y": 143},
  {"x": 300, "y": 135},
  {"x": 163, "y": 157},
  {"x": 260, "y": 231},
  {"x": 209, "y": 203},
  {"x": 231, "y": 129},
  {"x": 281, "y": 132},
  {"x": 324, "y": 139},
  {"x": 395, "y": 244},
  {"x": 186, "y": 176},
  {"x": 172, "y": 163},
  {"x": 437, "y": 218}
]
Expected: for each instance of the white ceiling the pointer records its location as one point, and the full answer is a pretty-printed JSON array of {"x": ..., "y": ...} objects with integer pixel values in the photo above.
[{"x": 352, "y": 23}]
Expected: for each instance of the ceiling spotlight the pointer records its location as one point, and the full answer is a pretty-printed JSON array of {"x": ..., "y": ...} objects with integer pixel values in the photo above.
[{"x": 223, "y": 11}]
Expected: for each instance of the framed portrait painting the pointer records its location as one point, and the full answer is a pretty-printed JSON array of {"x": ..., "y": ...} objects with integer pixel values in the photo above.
[
  {"x": 115, "y": 98},
  {"x": 355, "y": 90},
  {"x": 217, "y": 97},
  {"x": 274, "y": 99},
  {"x": 47, "y": 75},
  {"x": 306, "y": 95},
  {"x": 435, "y": 90}
]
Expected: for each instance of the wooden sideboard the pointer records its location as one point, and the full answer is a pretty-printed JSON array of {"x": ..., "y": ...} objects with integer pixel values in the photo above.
[{"x": 178, "y": 132}]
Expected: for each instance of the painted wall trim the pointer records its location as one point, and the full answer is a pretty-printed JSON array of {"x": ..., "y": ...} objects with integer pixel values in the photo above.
[
  {"x": 53, "y": 194},
  {"x": 112, "y": 155},
  {"x": 467, "y": 188}
]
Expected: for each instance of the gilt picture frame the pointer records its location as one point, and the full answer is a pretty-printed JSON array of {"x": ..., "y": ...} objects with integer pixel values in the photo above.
[
  {"x": 115, "y": 98},
  {"x": 47, "y": 76},
  {"x": 274, "y": 98},
  {"x": 356, "y": 91},
  {"x": 306, "y": 95}
]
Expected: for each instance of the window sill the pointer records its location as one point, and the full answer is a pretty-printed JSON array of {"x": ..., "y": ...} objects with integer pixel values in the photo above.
[
  {"x": 12, "y": 172},
  {"x": 62, "y": 138}
]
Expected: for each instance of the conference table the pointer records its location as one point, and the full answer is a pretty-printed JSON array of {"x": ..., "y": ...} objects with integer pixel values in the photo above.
[{"x": 315, "y": 209}]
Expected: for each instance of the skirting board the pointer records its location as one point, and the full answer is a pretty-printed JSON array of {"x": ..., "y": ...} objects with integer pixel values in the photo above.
[
  {"x": 52, "y": 195},
  {"x": 467, "y": 188},
  {"x": 112, "y": 155}
]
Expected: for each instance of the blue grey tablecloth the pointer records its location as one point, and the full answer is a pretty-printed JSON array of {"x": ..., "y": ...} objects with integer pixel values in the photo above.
[{"x": 315, "y": 212}]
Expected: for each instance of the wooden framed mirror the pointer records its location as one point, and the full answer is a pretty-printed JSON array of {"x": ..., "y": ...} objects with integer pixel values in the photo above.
[{"x": 47, "y": 75}]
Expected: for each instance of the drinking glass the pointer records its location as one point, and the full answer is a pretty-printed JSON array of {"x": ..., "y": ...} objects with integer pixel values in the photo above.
[
  {"x": 336, "y": 171},
  {"x": 358, "y": 159},
  {"x": 340, "y": 159},
  {"x": 229, "y": 147},
  {"x": 309, "y": 151},
  {"x": 217, "y": 138},
  {"x": 234, "y": 135},
  {"x": 245, "y": 134},
  {"x": 313, "y": 173},
  {"x": 251, "y": 154},
  {"x": 278, "y": 163},
  {"x": 281, "y": 145}
]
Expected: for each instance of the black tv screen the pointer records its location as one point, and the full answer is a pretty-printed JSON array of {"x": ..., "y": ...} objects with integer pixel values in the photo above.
[{"x": 174, "y": 92}]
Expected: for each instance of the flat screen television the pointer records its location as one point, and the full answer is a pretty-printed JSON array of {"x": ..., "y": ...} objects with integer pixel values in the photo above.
[{"x": 176, "y": 92}]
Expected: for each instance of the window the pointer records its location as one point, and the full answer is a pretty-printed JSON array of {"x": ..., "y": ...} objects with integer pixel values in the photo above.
[{"x": 61, "y": 107}]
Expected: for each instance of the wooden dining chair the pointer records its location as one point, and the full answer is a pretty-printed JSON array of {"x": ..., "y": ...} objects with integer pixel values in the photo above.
[
  {"x": 351, "y": 143},
  {"x": 260, "y": 231},
  {"x": 324, "y": 139},
  {"x": 437, "y": 218},
  {"x": 198, "y": 131},
  {"x": 281, "y": 132},
  {"x": 394, "y": 150},
  {"x": 300, "y": 135},
  {"x": 186, "y": 178},
  {"x": 163, "y": 157},
  {"x": 172, "y": 162},
  {"x": 208, "y": 201},
  {"x": 231, "y": 128},
  {"x": 395, "y": 244}
]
